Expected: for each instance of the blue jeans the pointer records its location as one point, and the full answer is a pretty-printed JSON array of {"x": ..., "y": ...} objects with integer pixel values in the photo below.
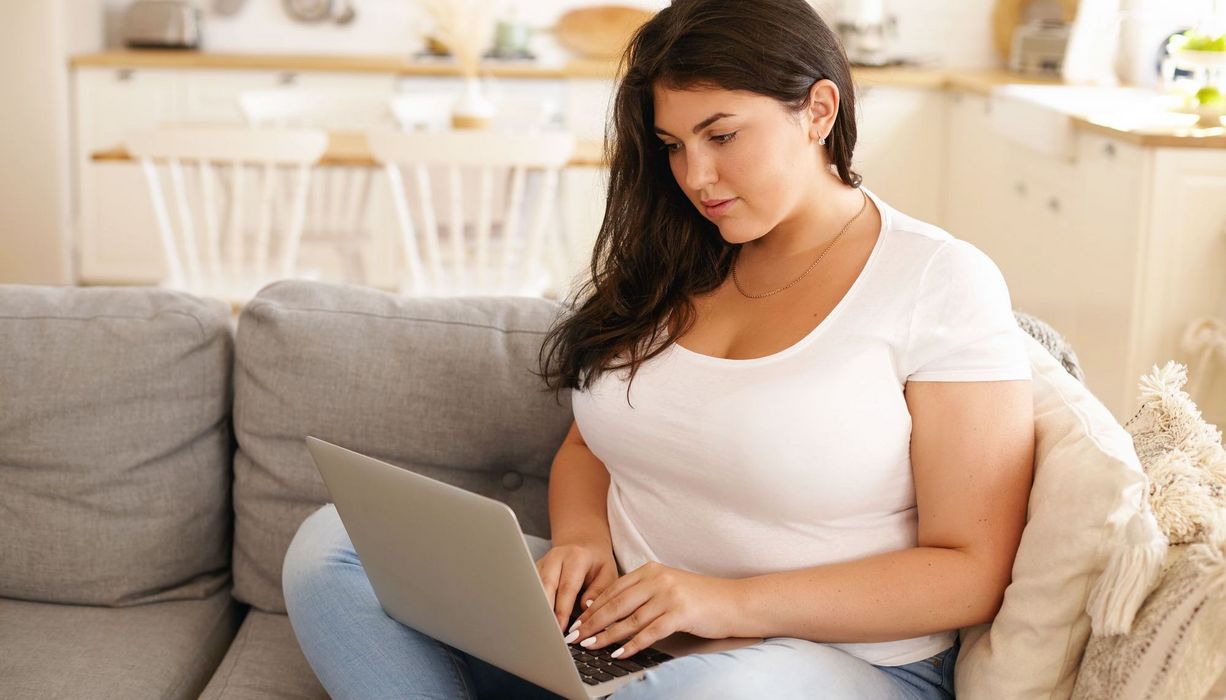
[{"x": 357, "y": 651}]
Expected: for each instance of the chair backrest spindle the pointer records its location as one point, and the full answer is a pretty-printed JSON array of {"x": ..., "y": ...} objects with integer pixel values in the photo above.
[
  {"x": 506, "y": 256},
  {"x": 206, "y": 171}
]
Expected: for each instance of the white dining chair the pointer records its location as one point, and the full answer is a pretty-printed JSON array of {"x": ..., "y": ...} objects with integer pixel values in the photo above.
[
  {"x": 229, "y": 203},
  {"x": 480, "y": 244},
  {"x": 337, "y": 229}
]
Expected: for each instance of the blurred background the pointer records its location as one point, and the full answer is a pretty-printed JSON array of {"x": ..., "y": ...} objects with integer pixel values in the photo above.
[{"x": 1080, "y": 144}]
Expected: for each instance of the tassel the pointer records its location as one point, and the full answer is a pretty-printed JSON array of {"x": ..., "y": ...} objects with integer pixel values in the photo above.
[{"x": 1131, "y": 573}]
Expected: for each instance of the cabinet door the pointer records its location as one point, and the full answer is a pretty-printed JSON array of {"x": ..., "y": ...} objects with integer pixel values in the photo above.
[
  {"x": 211, "y": 96},
  {"x": 1036, "y": 232},
  {"x": 1104, "y": 251},
  {"x": 1184, "y": 259},
  {"x": 116, "y": 233},
  {"x": 899, "y": 149},
  {"x": 973, "y": 190}
]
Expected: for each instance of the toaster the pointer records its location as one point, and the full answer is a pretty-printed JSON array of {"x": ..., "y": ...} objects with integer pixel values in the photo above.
[
  {"x": 163, "y": 24},
  {"x": 1039, "y": 47}
]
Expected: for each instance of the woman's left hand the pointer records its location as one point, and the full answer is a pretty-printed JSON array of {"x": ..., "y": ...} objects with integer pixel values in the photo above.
[{"x": 654, "y": 601}]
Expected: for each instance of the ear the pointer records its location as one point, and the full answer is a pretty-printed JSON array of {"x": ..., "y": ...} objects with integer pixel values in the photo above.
[{"x": 823, "y": 109}]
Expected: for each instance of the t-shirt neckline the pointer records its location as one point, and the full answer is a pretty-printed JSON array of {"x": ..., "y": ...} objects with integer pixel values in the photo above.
[{"x": 825, "y": 323}]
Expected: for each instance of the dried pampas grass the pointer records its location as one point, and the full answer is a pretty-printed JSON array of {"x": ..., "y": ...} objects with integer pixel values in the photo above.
[{"x": 466, "y": 27}]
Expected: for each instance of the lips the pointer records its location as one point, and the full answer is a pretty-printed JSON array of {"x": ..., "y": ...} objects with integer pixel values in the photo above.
[{"x": 718, "y": 206}]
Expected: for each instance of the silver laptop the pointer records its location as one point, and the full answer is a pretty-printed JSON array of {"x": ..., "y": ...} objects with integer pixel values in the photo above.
[{"x": 454, "y": 565}]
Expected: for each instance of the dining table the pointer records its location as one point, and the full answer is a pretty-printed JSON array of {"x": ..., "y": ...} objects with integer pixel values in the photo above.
[{"x": 350, "y": 148}]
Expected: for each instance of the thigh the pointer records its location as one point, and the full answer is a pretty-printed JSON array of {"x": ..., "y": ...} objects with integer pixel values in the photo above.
[
  {"x": 778, "y": 667},
  {"x": 493, "y": 682}
]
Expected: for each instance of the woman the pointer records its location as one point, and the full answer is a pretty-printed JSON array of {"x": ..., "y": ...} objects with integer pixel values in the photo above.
[{"x": 800, "y": 414}]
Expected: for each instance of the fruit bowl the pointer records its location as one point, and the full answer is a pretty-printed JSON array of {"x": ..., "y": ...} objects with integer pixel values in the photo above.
[
  {"x": 1209, "y": 117},
  {"x": 1200, "y": 59}
]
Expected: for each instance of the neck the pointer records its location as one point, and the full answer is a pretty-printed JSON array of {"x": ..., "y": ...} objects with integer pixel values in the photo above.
[{"x": 819, "y": 217}]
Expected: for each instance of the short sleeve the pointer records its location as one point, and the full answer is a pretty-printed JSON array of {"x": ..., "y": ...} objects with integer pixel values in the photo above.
[{"x": 963, "y": 328}]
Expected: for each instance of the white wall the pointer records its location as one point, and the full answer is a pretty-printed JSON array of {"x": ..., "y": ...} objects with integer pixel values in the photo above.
[{"x": 36, "y": 39}]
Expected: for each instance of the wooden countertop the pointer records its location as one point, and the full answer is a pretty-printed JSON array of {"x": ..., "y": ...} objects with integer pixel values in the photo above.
[
  {"x": 974, "y": 81},
  {"x": 349, "y": 148}
]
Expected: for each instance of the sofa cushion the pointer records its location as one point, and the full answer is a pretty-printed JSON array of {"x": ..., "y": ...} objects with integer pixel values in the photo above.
[
  {"x": 1088, "y": 488},
  {"x": 160, "y": 650},
  {"x": 264, "y": 661},
  {"x": 444, "y": 387},
  {"x": 115, "y": 449}
]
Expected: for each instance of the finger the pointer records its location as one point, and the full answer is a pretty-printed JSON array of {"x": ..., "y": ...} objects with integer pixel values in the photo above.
[
  {"x": 610, "y": 593},
  {"x": 568, "y": 586},
  {"x": 598, "y": 585},
  {"x": 548, "y": 572},
  {"x": 658, "y": 629},
  {"x": 624, "y": 612},
  {"x": 637, "y": 620}
]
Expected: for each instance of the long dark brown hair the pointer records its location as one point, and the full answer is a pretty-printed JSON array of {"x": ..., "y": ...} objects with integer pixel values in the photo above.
[{"x": 654, "y": 249}]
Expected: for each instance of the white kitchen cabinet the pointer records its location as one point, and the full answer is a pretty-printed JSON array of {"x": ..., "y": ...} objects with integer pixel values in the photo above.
[
  {"x": 1118, "y": 247},
  {"x": 900, "y": 147},
  {"x": 111, "y": 197},
  {"x": 1184, "y": 250}
]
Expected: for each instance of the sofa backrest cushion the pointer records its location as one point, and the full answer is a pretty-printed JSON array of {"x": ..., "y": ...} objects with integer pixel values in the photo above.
[
  {"x": 115, "y": 445},
  {"x": 444, "y": 387}
]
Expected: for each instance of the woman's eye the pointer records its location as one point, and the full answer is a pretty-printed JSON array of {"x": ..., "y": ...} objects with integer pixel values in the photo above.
[
  {"x": 720, "y": 138},
  {"x": 724, "y": 138}
]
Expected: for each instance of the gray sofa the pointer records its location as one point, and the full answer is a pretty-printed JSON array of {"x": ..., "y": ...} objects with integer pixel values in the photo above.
[
  {"x": 153, "y": 469},
  {"x": 153, "y": 472}
]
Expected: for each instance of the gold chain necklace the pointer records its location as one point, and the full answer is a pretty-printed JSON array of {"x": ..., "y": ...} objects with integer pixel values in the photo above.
[{"x": 846, "y": 226}]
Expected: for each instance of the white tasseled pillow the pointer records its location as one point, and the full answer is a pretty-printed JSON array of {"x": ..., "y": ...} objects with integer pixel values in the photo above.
[
  {"x": 1087, "y": 519},
  {"x": 1177, "y": 648}
]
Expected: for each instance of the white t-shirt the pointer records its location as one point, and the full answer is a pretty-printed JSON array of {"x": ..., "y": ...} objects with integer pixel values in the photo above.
[{"x": 735, "y": 468}]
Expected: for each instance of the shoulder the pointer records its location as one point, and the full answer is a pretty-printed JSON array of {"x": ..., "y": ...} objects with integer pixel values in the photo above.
[{"x": 931, "y": 257}]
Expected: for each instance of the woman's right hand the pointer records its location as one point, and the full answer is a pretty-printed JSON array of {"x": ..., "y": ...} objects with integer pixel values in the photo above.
[{"x": 568, "y": 569}]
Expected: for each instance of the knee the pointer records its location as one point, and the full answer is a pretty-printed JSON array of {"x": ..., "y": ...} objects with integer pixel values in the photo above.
[{"x": 319, "y": 542}]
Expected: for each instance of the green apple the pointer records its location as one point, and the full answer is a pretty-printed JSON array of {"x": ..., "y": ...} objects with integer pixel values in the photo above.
[
  {"x": 1210, "y": 96},
  {"x": 1195, "y": 41}
]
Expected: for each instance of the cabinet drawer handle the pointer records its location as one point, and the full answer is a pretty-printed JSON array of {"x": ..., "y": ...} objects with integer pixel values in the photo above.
[
  {"x": 124, "y": 75},
  {"x": 1109, "y": 150},
  {"x": 1020, "y": 188},
  {"x": 1053, "y": 204},
  {"x": 287, "y": 78}
]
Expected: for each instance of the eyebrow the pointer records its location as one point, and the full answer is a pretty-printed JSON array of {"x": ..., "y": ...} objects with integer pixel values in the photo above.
[{"x": 700, "y": 125}]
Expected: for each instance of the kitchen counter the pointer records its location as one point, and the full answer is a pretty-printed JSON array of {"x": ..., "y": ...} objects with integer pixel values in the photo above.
[{"x": 1162, "y": 134}]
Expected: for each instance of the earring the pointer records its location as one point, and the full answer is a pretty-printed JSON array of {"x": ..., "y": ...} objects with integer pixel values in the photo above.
[{"x": 821, "y": 141}]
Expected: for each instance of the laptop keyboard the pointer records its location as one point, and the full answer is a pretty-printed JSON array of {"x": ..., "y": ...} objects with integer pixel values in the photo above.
[{"x": 597, "y": 666}]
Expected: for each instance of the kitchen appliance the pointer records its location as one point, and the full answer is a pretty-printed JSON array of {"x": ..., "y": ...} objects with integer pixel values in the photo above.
[
  {"x": 1008, "y": 16},
  {"x": 1038, "y": 47},
  {"x": 866, "y": 31},
  {"x": 162, "y": 24}
]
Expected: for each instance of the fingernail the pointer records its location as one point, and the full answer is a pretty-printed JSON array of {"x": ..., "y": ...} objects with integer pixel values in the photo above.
[
  {"x": 588, "y": 604},
  {"x": 588, "y": 642},
  {"x": 574, "y": 626},
  {"x": 572, "y": 637},
  {"x": 618, "y": 652}
]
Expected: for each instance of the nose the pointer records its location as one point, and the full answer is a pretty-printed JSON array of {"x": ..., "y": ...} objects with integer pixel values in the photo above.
[{"x": 699, "y": 171}]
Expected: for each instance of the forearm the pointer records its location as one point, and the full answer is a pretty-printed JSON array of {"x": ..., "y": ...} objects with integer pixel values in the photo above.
[
  {"x": 897, "y": 595},
  {"x": 578, "y": 489}
]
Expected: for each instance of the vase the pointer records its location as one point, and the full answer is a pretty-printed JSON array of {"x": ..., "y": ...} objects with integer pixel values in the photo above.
[{"x": 473, "y": 110}]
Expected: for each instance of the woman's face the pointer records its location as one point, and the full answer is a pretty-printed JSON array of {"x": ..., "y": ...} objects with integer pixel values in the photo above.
[{"x": 739, "y": 146}]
